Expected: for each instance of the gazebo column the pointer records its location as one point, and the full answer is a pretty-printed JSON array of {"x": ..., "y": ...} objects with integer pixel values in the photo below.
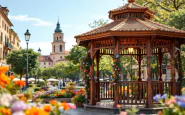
[
  {"x": 97, "y": 75},
  {"x": 116, "y": 92},
  {"x": 179, "y": 67},
  {"x": 160, "y": 57},
  {"x": 139, "y": 63},
  {"x": 173, "y": 67},
  {"x": 92, "y": 82},
  {"x": 149, "y": 102}
]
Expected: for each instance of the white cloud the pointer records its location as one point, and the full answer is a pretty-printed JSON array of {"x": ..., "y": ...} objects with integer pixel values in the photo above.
[
  {"x": 38, "y": 21},
  {"x": 44, "y": 46}
]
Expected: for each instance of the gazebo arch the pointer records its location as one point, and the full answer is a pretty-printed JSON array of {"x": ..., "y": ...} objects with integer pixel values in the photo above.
[{"x": 132, "y": 28}]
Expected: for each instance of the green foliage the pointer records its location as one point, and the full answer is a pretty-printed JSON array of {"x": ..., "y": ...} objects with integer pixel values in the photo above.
[
  {"x": 37, "y": 89},
  {"x": 116, "y": 68},
  {"x": 98, "y": 23},
  {"x": 78, "y": 98},
  {"x": 17, "y": 59},
  {"x": 163, "y": 8},
  {"x": 76, "y": 53},
  {"x": 177, "y": 19}
]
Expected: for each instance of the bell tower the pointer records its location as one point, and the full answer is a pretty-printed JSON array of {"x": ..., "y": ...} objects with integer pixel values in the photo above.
[{"x": 58, "y": 44}]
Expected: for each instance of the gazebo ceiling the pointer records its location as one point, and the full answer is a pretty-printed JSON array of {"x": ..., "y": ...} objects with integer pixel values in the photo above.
[{"x": 130, "y": 20}]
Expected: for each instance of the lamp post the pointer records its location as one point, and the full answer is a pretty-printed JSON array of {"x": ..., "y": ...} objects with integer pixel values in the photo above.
[
  {"x": 27, "y": 38},
  {"x": 39, "y": 51},
  {"x": 130, "y": 50}
]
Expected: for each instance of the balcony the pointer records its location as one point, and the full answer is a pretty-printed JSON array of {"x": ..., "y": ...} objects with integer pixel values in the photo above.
[{"x": 8, "y": 45}]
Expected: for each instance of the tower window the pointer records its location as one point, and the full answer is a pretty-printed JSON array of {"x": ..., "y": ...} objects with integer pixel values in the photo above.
[
  {"x": 54, "y": 49},
  {"x": 60, "y": 48}
]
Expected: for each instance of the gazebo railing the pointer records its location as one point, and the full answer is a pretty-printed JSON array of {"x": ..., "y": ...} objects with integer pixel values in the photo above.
[
  {"x": 161, "y": 87},
  {"x": 104, "y": 90},
  {"x": 131, "y": 92}
]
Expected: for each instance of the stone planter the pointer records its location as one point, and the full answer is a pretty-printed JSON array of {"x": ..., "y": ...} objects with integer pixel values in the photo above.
[
  {"x": 47, "y": 100},
  {"x": 79, "y": 104}
]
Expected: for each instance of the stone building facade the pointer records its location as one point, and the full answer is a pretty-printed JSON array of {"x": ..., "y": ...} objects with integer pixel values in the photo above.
[
  {"x": 9, "y": 39},
  {"x": 58, "y": 50}
]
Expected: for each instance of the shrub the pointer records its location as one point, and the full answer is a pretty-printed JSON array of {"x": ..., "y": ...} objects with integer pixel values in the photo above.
[
  {"x": 37, "y": 89},
  {"x": 81, "y": 84},
  {"x": 78, "y": 98}
]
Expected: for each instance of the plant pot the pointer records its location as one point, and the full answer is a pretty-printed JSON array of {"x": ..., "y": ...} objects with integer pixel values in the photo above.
[{"x": 79, "y": 104}]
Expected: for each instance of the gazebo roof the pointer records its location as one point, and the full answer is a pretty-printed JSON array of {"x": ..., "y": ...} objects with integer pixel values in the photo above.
[{"x": 128, "y": 20}]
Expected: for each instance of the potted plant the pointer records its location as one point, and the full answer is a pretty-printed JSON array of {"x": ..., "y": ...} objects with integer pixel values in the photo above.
[{"x": 78, "y": 100}]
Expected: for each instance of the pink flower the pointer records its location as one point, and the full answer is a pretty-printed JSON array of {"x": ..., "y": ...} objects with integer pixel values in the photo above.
[
  {"x": 123, "y": 113},
  {"x": 72, "y": 106}
]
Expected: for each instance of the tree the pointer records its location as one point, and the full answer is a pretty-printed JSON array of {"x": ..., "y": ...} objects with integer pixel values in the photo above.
[
  {"x": 177, "y": 19},
  {"x": 98, "y": 23},
  {"x": 76, "y": 53},
  {"x": 17, "y": 59},
  {"x": 163, "y": 8}
]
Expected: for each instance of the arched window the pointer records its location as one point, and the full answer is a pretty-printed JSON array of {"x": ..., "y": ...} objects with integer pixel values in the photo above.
[
  {"x": 54, "y": 49},
  {"x": 60, "y": 48}
]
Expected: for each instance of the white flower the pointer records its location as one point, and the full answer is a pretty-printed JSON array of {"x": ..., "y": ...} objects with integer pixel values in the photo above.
[
  {"x": 5, "y": 99},
  {"x": 18, "y": 113}
]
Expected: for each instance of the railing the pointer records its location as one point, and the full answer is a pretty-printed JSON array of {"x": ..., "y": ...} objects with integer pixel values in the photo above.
[
  {"x": 161, "y": 87},
  {"x": 104, "y": 90},
  {"x": 8, "y": 45},
  {"x": 131, "y": 92}
]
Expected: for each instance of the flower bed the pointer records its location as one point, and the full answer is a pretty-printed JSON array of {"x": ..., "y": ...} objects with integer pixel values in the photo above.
[{"x": 18, "y": 104}]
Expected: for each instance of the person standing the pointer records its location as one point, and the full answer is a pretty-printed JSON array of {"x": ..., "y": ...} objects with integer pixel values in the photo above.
[{"x": 60, "y": 83}]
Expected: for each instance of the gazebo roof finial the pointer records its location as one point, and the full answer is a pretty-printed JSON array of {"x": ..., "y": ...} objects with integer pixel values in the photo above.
[{"x": 131, "y": 1}]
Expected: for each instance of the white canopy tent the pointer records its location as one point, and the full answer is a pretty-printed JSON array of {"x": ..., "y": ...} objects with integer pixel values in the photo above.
[{"x": 52, "y": 79}]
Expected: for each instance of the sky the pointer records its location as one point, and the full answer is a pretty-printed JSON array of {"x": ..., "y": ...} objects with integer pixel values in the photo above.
[{"x": 41, "y": 16}]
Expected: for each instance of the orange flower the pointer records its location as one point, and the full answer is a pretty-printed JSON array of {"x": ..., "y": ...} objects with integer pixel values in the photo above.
[
  {"x": 36, "y": 111},
  {"x": 53, "y": 102},
  {"x": 24, "y": 99},
  {"x": 3, "y": 69},
  {"x": 65, "y": 106},
  {"x": 11, "y": 77},
  {"x": 5, "y": 111},
  {"x": 47, "y": 108},
  {"x": 119, "y": 106},
  {"x": 20, "y": 83},
  {"x": 4, "y": 80}
]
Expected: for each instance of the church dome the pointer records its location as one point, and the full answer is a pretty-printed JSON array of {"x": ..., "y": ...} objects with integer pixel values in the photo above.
[{"x": 58, "y": 28}]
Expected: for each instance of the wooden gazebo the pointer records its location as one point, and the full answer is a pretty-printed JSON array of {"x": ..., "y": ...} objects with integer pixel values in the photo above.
[{"x": 132, "y": 27}]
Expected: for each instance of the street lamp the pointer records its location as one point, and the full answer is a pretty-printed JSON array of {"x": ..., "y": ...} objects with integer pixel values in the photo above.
[
  {"x": 130, "y": 50},
  {"x": 27, "y": 38}
]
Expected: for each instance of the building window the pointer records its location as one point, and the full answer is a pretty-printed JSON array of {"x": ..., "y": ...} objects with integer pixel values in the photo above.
[
  {"x": 5, "y": 27},
  {"x": 61, "y": 57},
  {"x": 54, "y": 49},
  {"x": 44, "y": 63},
  {"x": 1, "y": 37},
  {"x": 49, "y": 63},
  {"x": 60, "y": 48}
]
